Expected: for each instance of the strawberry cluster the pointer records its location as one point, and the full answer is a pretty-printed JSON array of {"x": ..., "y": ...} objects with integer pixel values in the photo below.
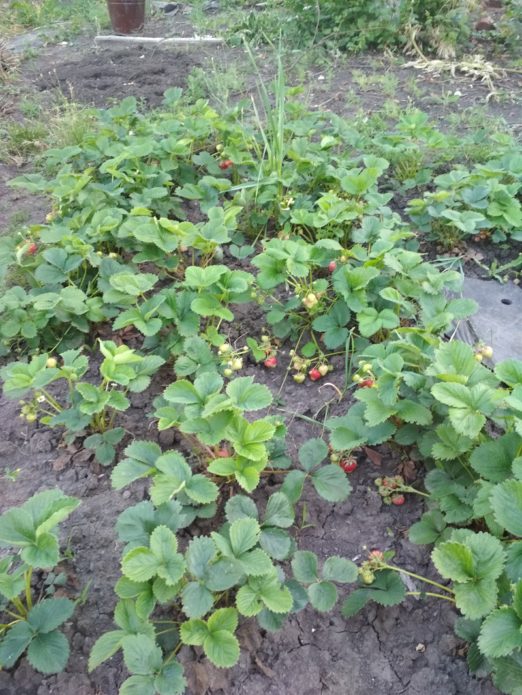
[{"x": 391, "y": 489}]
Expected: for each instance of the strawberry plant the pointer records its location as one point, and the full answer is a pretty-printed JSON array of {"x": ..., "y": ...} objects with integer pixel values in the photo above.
[
  {"x": 482, "y": 202},
  {"x": 218, "y": 577},
  {"x": 338, "y": 272},
  {"x": 444, "y": 402},
  {"x": 83, "y": 406},
  {"x": 31, "y": 625}
]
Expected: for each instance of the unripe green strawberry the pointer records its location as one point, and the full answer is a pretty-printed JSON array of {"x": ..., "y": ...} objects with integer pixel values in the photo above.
[
  {"x": 487, "y": 351},
  {"x": 367, "y": 576}
]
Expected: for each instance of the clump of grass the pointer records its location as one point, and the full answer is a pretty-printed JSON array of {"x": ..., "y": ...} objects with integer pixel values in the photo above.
[
  {"x": 65, "y": 125},
  {"x": 39, "y": 13}
]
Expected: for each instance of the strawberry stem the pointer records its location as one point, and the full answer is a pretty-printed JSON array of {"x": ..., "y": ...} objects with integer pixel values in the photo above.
[
  {"x": 430, "y": 593},
  {"x": 416, "y": 576}
]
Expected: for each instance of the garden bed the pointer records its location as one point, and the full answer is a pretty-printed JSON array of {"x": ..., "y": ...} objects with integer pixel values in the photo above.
[{"x": 410, "y": 647}]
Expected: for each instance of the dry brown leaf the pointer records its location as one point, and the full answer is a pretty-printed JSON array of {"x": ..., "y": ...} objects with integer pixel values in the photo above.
[
  {"x": 373, "y": 455},
  {"x": 407, "y": 470},
  {"x": 60, "y": 463}
]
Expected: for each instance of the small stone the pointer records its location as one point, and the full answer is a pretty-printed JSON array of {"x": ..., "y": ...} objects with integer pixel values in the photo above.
[
  {"x": 126, "y": 494},
  {"x": 421, "y": 648}
]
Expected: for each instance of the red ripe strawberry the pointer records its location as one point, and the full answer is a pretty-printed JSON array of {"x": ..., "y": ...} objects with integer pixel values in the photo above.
[
  {"x": 270, "y": 362},
  {"x": 332, "y": 266},
  {"x": 32, "y": 248},
  {"x": 398, "y": 500},
  {"x": 348, "y": 465},
  {"x": 223, "y": 453},
  {"x": 366, "y": 383},
  {"x": 226, "y": 164},
  {"x": 314, "y": 374}
]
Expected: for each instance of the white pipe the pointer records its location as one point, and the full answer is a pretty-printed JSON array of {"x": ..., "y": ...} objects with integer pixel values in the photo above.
[{"x": 113, "y": 38}]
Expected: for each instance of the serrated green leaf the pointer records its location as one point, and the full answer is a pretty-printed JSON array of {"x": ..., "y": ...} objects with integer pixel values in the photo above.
[
  {"x": 244, "y": 534},
  {"x": 506, "y": 502},
  {"x": 276, "y": 542},
  {"x": 200, "y": 552},
  {"x": 49, "y": 614},
  {"x": 305, "y": 566},
  {"x": 105, "y": 646},
  {"x": 14, "y": 643},
  {"x": 44, "y": 553},
  {"x": 507, "y": 673},
  {"x": 476, "y": 599},
  {"x": 339, "y": 569},
  {"x": 428, "y": 529},
  {"x": 293, "y": 485},
  {"x": 201, "y": 489},
  {"x": 240, "y": 507},
  {"x": 493, "y": 459},
  {"x": 248, "y": 601},
  {"x": 138, "y": 685},
  {"x": 509, "y": 371},
  {"x": 221, "y": 648},
  {"x": 141, "y": 654},
  {"x": 312, "y": 453},
  {"x": 246, "y": 395},
  {"x": 514, "y": 561},
  {"x": 454, "y": 561},
  {"x": 49, "y": 652},
  {"x": 279, "y": 512},
  {"x": 170, "y": 681},
  {"x": 140, "y": 459},
  {"x": 139, "y": 564},
  {"x": 255, "y": 563},
  {"x": 223, "y": 574},
  {"x": 323, "y": 596},
  {"x": 275, "y": 597},
  {"x": 409, "y": 411},
  {"x": 223, "y": 619},
  {"x": 331, "y": 483},
  {"x": 501, "y": 633},
  {"x": 269, "y": 621},
  {"x": 197, "y": 600},
  {"x": 355, "y": 602},
  {"x": 193, "y": 632}
]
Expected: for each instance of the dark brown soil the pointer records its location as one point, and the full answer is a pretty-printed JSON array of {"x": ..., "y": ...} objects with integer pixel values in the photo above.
[{"x": 104, "y": 76}]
